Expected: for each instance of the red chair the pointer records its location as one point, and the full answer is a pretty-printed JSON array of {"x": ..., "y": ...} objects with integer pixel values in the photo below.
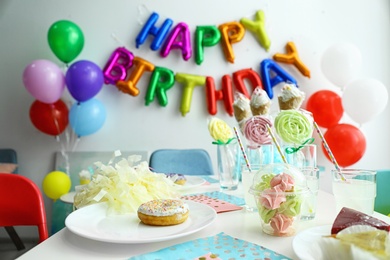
[{"x": 21, "y": 204}]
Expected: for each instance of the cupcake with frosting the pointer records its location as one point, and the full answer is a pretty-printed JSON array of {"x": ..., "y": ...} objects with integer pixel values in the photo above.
[
  {"x": 290, "y": 97},
  {"x": 241, "y": 108},
  {"x": 260, "y": 103}
]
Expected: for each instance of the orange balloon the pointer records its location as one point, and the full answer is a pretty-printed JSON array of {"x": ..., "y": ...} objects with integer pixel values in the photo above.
[
  {"x": 292, "y": 57},
  {"x": 231, "y": 33}
]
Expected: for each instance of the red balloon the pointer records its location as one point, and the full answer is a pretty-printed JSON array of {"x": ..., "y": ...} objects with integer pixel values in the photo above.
[
  {"x": 326, "y": 107},
  {"x": 51, "y": 119},
  {"x": 346, "y": 142}
]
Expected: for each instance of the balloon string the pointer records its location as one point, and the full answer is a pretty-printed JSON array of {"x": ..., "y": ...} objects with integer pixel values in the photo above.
[{"x": 290, "y": 150}]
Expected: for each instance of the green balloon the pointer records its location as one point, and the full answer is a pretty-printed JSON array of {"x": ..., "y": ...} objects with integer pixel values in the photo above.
[{"x": 66, "y": 40}]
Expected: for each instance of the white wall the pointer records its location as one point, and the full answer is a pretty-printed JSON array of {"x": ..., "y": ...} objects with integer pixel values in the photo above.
[{"x": 312, "y": 25}]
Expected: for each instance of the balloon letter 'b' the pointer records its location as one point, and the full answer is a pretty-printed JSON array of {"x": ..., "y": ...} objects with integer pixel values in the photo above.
[
  {"x": 189, "y": 82},
  {"x": 162, "y": 79},
  {"x": 118, "y": 64},
  {"x": 258, "y": 27},
  {"x": 231, "y": 33},
  {"x": 150, "y": 28},
  {"x": 266, "y": 66},
  {"x": 226, "y": 94},
  {"x": 139, "y": 67},
  {"x": 251, "y": 75},
  {"x": 179, "y": 38},
  {"x": 205, "y": 36}
]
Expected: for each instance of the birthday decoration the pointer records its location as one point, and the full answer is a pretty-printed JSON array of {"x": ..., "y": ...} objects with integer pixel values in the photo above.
[
  {"x": 258, "y": 28},
  {"x": 66, "y": 40},
  {"x": 363, "y": 99},
  {"x": 179, "y": 38},
  {"x": 189, "y": 82},
  {"x": 326, "y": 107},
  {"x": 55, "y": 184},
  {"x": 205, "y": 36},
  {"x": 84, "y": 80},
  {"x": 292, "y": 57},
  {"x": 340, "y": 63},
  {"x": 225, "y": 94},
  {"x": 232, "y": 32},
  {"x": 44, "y": 81},
  {"x": 162, "y": 80},
  {"x": 51, "y": 119}
]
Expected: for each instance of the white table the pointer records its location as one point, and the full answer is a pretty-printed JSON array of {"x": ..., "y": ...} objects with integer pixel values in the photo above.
[{"x": 240, "y": 224}]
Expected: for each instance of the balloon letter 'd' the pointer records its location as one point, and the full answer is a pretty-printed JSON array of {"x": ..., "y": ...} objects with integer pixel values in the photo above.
[
  {"x": 130, "y": 86},
  {"x": 258, "y": 27},
  {"x": 226, "y": 94},
  {"x": 205, "y": 36},
  {"x": 149, "y": 28},
  {"x": 189, "y": 82},
  {"x": 266, "y": 66},
  {"x": 292, "y": 57},
  {"x": 231, "y": 33},
  {"x": 162, "y": 79},
  {"x": 179, "y": 38},
  {"x": 251, "y": 75},
  {"x": 118, "y": 64}
]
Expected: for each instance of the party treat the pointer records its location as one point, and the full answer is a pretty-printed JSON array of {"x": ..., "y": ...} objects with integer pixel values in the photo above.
[
  {"x": 163, "y": 212},
  {"x": 177, "y": 178},
  {"x": 349, "y": 217},
  {"x": 85, "y": 177},
  {"x": 219, "y": 130},
  {"x": 260, "y": 103},
  {"x": 241, "y": 108},
  {"x": 256, "y": 132},
  {"x": 293, "y": 127},
  {"x": 356, "y": 242},
  {"x": 290, "y": 97},
  {"x": 277, "y": 203}
]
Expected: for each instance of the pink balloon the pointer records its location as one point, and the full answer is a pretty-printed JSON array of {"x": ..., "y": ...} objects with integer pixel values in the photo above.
[
  {"x": 179, "y": 38},
  {"x": 44, "y": 80}
]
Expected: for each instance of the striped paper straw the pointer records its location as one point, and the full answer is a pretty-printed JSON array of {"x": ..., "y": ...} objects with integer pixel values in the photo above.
[
  {"x": 242, "y": 149},
  {"x": 276, "y": 144},
  {"x": 326, "y": 146}
]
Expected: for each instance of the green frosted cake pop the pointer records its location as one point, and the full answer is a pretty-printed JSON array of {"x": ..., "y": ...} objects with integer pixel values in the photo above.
[{"x": 293, "y": 126}]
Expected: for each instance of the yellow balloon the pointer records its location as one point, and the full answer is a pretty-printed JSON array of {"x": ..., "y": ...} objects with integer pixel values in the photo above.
[{"x": 55, "y": 184}]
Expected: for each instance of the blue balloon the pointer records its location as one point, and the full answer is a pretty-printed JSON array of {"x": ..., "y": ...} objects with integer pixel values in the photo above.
[
  {"x": 87, "y": 117},
  {"x": 150, "y": 29},
  {"x": 84, "y": 79},
  {"x": 268, "y": 65}
]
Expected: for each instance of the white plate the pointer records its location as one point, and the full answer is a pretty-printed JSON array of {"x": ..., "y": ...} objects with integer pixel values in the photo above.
[
  {"x": 92, "y": 222},
  {"x": 305, "y": 243},
  {"x": 192, "y": 182}
]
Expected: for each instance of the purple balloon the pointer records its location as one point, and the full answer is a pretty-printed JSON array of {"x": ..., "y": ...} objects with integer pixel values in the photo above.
[
  {"x": 44, "y": 80},
  {"x": 84, "y": 80}
]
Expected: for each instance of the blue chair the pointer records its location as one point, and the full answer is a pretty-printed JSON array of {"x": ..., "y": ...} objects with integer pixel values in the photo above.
[
  {"x": 183, "y": 161},
  {"x": 382, "y": 200}
]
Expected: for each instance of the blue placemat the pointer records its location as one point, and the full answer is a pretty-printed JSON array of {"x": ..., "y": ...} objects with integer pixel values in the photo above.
[
  {"x": 222, "y": 196},
  {"x": 222, "y": 245}
]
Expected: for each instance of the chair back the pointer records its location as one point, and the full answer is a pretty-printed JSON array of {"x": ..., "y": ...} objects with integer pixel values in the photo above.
[
  {"x": 21, "y": 204},
  {"x": 183, "y": 161},
  {"x": 382, "y": 200}
]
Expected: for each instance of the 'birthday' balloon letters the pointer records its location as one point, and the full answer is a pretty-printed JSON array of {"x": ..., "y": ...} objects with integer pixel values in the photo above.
[{"x": 124, "y": 70}]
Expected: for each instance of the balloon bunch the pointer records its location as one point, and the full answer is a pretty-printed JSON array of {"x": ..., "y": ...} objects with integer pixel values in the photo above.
[
  {"x": 361, "y": 100},
  {"x": 46, "y": 82}
]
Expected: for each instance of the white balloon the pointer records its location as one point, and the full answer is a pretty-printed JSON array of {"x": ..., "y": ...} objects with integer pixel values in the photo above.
[
  {"x": 363, "y": 99},
  {"x": 340, "y": 63}
]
